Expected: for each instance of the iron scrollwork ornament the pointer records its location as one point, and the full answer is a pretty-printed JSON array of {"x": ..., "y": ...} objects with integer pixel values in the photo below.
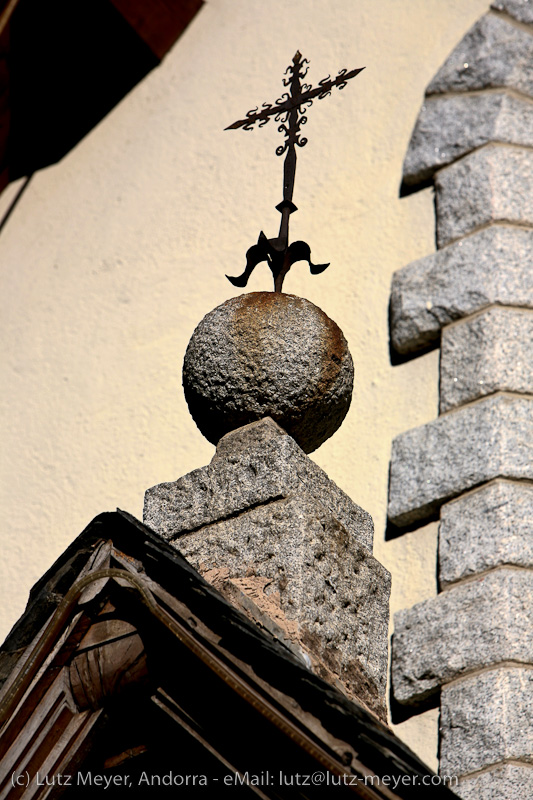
[{"x": 290, "y": 111}]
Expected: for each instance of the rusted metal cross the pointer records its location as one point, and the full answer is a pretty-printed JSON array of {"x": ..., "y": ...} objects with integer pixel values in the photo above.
[{"x": 290, "y": 111}]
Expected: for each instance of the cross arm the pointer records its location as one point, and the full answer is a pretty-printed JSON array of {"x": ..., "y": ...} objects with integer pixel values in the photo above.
[
  {"x": 263, "y": 115},
  {"x": 324, "y": 87},
  {"x": 291, "y": 101}
]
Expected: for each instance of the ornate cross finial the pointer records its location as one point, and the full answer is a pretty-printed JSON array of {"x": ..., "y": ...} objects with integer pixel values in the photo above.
[{"x": 289, "y": 110}]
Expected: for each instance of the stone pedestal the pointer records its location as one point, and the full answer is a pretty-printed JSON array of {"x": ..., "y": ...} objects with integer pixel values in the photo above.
[{"x": 274, "y": 534}]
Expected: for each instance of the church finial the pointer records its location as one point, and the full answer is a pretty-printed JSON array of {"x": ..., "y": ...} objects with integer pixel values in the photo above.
[
  {"x": 290, "y": 111},
  {"x": 270, "y": 354}
]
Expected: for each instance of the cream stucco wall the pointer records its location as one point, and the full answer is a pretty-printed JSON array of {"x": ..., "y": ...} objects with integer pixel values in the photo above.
[{"x": 112, "y": 256}]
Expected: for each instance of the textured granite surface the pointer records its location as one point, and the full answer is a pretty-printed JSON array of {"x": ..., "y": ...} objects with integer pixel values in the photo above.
[
  {"x": 478, "y": 623},
  {"x": 452, "y": 126},
  {"x": 493, "y": 184},
  {"x": 486, "y": 719},
  {"x": 252, "y": 466},
  {"x": 490, "y": 352},
  {"x": 305, "y": 571},
  {"x": 521, "y": 10},
  {"x": 268, "y": 354},
  {"x": 494, "y": 53},
  {"x": 486, "y": 528},
  {"x": 269, "y": 529},
  {"x": 492, "y": 266},
  {"x": 458, "y": 451},
  {"x": 509, "y": 781}
]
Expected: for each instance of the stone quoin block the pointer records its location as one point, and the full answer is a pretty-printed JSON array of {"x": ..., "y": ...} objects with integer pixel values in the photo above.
[
  {"x": 522, "y": 11},
  {"x": 494, "y": 53},
  {"x": 484, "y": 529},
  {"x": 493, "y": 184},
  {"x": 486, "y": 719},
  {"x": 434, "y": 643},
  {"x": 452, "y": 126},
  {"x": 306, "y": 572},
  {"x": 253, "y": 465},
  {"x": 488, "y": 353},
  {"x": 510, "y": 781},
  {"x": 493, "y": 266},
  {"x": 458, "y": 451}
]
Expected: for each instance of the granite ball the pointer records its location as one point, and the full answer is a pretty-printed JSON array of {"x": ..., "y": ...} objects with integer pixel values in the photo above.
[{"x": 267, "y": 354}]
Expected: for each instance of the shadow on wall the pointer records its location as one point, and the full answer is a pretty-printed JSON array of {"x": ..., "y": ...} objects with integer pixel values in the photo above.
[{"x": 65, "y": 65}]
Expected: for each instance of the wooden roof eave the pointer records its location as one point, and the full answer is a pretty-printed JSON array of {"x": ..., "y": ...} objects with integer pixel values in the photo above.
[{"x": 304, "y": 708}]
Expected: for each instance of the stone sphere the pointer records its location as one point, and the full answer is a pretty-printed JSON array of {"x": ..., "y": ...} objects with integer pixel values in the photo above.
[{"x": 267, "y": 354}]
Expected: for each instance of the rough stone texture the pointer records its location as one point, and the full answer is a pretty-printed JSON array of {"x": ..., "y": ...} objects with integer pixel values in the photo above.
[
  {"x": 253, "y": 466},
  {"x": 488, "y": 353},
  {"x": 495, "y": 53},
  {"x": 486, "y": 719},
  {"x": 480, "y": 146},
  {"x": 491, "y": 266},
  {"x": 494, "y": 184},
  {"x": 267, "y": 354},
  {"x": 269, "y": 529},
  {"x": 303, "y": 570},
  {"x": 508, "y": 782},
  {"x": 521, "y": 10},
  {"x": 450, "y": 127},
  {"x": 485, "y": 529},
  {"x": 458, "y": 451},
  {"x": 434, "y": 641}
]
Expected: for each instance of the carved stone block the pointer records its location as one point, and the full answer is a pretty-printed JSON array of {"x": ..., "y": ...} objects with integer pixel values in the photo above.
[
  {"x": 254, "y": 465},
  {"x": 476, "y": 624},
  {"x": 484, "y": 529},
  {"x": 494, "y": 184},
  {"x": 452, "y": 126},
  {"x": 489, "y": 353},
  {"x": 269, "y": 529},
  {"x": 458, "y": 451},
  {"x": 492, "y": 266},
  {"x": 305, "y": 571},
  {"x": 486, "y": 719},
  {"x": 494, "y": 53}
]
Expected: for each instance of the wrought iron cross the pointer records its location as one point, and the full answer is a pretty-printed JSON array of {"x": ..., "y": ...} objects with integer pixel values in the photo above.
[{"x": 290, "y": 111}]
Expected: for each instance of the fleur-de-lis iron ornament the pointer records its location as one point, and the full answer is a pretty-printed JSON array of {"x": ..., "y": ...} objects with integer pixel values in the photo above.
[{"x": 289, "y": 110}]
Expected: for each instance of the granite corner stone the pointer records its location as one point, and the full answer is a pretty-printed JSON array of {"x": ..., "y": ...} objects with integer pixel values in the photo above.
[
  {"x": 509, "y": 781},
  {"x": 485, "y": 529},
  {"x": 449, "y": 127},
  {"x": 522, "y": 11},
  {"x": 491, "y": 352},
  {"x": 486, "y": 719},
  {"x": 280, "y": 540},
  {"x": 491, "y": 266},
  {"x": 495, "y": 53},
  {"x": 460, "y": 450},
  {"x": 433, "y": 642},
  {"x": 491, "y": 185}
]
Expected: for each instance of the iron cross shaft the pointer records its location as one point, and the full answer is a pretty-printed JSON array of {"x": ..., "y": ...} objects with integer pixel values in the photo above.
[{"x": 290, "y": 111}]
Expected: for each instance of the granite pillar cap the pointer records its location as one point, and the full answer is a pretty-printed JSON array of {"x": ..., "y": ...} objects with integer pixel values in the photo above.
[{"x": 268, "y": 354}]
